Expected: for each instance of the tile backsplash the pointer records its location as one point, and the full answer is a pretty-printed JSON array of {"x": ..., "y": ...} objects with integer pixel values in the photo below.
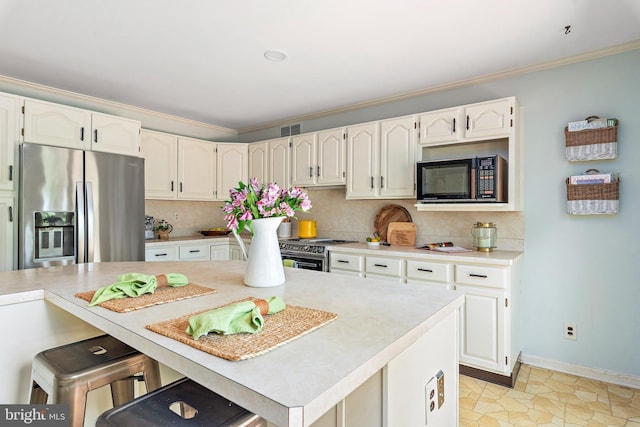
[{"x": 352, "y": 219}]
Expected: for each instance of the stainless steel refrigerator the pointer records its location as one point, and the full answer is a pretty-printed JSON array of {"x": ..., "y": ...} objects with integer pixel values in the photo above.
[{"x": 79, "y": 206}]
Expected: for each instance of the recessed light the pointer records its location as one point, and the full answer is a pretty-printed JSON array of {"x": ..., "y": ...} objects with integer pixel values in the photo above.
[{"x": 275, "y": 55}]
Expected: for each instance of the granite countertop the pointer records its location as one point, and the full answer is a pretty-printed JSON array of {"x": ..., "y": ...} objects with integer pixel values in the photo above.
[{"x": 292, "y": 385}]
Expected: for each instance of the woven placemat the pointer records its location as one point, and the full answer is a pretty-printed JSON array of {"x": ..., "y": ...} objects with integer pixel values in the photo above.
[
  {"x": 279, "y": 329},
  {"x": 162, "y": 295}
]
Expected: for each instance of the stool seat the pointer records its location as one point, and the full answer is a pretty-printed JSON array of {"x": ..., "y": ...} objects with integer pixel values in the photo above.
[
  {"x": 67, "y": 373},
  {"x": 181, "y": 403}
]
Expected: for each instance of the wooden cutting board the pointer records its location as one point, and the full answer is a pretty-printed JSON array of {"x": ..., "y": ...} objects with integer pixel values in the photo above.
[
  {"x": 402, "y": 233},
  {"x": 387, "y": 215}
]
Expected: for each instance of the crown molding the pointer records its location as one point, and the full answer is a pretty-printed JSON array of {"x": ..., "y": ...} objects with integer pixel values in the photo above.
[
  {"x": 5, "y": 80},
  {"x": 453, "y": 85}
]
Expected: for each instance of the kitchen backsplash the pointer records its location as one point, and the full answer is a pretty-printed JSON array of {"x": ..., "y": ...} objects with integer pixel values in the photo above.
[{"x": 352, "y": 219}]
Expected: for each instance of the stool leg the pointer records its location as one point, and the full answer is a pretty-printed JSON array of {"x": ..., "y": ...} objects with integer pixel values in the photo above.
[
  {"x": 122, "y": 391},
  {"x": 152, "y": 380},
  {"x": 38, "y": 395},
  {"x": 76, "y": 397}
]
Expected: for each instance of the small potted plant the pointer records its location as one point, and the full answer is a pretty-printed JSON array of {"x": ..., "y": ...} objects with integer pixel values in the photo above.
[{"x": 163, "y": 228}]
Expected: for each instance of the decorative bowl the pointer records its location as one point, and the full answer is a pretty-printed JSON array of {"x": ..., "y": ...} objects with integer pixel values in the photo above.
[
  {"x": 373, "y": 244},
  {"x": 222, "y": 232}
]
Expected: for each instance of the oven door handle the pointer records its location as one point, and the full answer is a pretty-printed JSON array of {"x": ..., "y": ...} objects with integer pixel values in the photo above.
[{"x": 300, "y": 264}]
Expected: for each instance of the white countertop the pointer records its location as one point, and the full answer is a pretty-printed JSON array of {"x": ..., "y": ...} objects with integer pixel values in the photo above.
[
  {"x": 495, "y": 257},
  {"x": 291, "y": 385}
]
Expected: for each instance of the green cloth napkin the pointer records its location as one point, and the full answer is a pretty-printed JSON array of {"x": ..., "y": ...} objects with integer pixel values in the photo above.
[
  {"x": 135, "y": 284},
  {"x": 236, "y": 318}
]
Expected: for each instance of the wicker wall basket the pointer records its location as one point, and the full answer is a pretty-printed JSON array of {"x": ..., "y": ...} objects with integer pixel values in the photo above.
[
  {"x": 591, "y": 144},
  {"x": 593, "y": 199}
]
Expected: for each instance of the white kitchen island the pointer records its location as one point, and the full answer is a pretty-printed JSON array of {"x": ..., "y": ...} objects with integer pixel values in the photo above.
[{"x": 376, "y": 357}]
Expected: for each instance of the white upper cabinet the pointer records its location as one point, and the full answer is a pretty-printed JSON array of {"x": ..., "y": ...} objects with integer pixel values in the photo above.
[
  {"x": 473, "y": 122},
  {"x": 9, "y": 125},
  {"x": 331, "y": 157},
  {"x": 440, "y": 126},
  {"x": 54, "y": 124},
  {"x": 259, "y": 161},
  {"x": 196, "y": 169},
  {"x": 398, "y": 157},
  {"x": 491, "y": 119},
  {"x": 303, "y": 159},
  {"x": 232, "y": 167},
  {"x": 381, "y": 159},
  {"x": 318, "y": 158},
  {"x": 279, "y": 169},
  {"x": 160, "y": 153},
  {"x": 363, "y": 160},
  {"x": 115, "y": 134}
]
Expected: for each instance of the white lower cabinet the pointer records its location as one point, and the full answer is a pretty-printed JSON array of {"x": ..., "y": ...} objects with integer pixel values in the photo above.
[
  {"x": 219, "y": 252},
  {"x": 7, "y": 226},
  {"x": 488, "y": 336},
  {"x": 200, "y": 252},
  {"x": 162, "y": 253}
]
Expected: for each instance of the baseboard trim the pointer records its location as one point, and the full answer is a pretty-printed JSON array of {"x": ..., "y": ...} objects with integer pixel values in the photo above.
[
  {"x": 492, "y": 377},
  {"x": 604, "y": 375}
]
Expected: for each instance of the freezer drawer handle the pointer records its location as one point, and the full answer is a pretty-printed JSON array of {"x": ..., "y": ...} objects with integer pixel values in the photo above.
[
  {"x": 426, "y": 270},
  {"x": 482, "y": 276}
]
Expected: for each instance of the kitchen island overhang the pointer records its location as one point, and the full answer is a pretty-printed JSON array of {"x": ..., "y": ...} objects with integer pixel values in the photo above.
[{"x": 292, "y": 385}]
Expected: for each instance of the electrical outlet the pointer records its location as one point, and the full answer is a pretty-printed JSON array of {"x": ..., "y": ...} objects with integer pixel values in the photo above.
[
  {"x": 570, "y": 331},
  {"x": 434, "y": 396},
  {"x": 176, "y": 216}
]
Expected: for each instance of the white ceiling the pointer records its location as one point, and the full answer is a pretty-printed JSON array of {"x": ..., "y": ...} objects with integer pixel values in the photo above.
[{"x": 203, "y": 59}]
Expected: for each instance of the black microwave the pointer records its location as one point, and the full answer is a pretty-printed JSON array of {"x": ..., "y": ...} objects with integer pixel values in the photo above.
[{"x": 466, "y": 180}]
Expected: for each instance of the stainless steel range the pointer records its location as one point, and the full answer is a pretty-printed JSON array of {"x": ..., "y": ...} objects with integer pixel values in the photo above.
[{"x": 309, "y": 254}]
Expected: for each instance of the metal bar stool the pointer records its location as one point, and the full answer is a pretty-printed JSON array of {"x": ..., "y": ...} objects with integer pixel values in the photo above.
[
  {"x": 67, "y": 373},
  {"x": 181, "y": 403}
]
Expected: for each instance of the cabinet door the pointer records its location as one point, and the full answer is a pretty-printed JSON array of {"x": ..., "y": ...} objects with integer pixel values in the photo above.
[
  {"x": 398, "y": 157},
  {"x": 9, "y": 119},
  {"x": 303, "y": 159},
  {"x": 482, "y": 328},
  {"x": 160, "y": 153},
  {"x": 196, "y": 169},
  {"x": 220, "y": 252},
  {"x": 331, "y": 169},
  {"x": 492, "y": 119},
  {"x": 113, "y": 134},
  {"x": 7, "y": 225},
  {"x": 54, "y": 124},
  {"x": 232, "y": 168},
  {"x": 440, "y": 126},
  {"x": 259, "y": 161},
  {"x": 363, "y": 163},
  {"x": 280, "y": 162}
]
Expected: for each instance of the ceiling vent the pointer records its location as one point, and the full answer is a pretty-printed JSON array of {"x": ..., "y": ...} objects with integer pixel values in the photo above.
[{"x": 291, "y": 130}]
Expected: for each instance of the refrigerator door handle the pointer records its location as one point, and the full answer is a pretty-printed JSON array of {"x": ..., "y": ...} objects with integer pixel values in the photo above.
[
  {"x": 80, "y": 224},
  {"x": 90, "y": 222}
]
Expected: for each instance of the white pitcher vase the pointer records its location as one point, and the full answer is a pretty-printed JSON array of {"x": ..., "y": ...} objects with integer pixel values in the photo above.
[{"x": 264, "y": 263}]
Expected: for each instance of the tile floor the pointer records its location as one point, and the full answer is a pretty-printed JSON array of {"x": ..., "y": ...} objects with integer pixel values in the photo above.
[{"x": 547, "y": 398}]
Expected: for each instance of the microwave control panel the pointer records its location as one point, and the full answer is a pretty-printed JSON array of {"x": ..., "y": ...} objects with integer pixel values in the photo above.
[{"x": 486, "y": 172}]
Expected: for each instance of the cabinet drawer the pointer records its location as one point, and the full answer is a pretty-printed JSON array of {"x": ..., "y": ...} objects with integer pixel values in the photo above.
[
  {"x": 161, "y": 254},
  {"x": 346, "y": 262},
  {"x": 194, "y": 252},
  {"x": 432, "y": 271},
  {"x": 482, "y": 276},
  {"x": 386, "y": 266}
]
